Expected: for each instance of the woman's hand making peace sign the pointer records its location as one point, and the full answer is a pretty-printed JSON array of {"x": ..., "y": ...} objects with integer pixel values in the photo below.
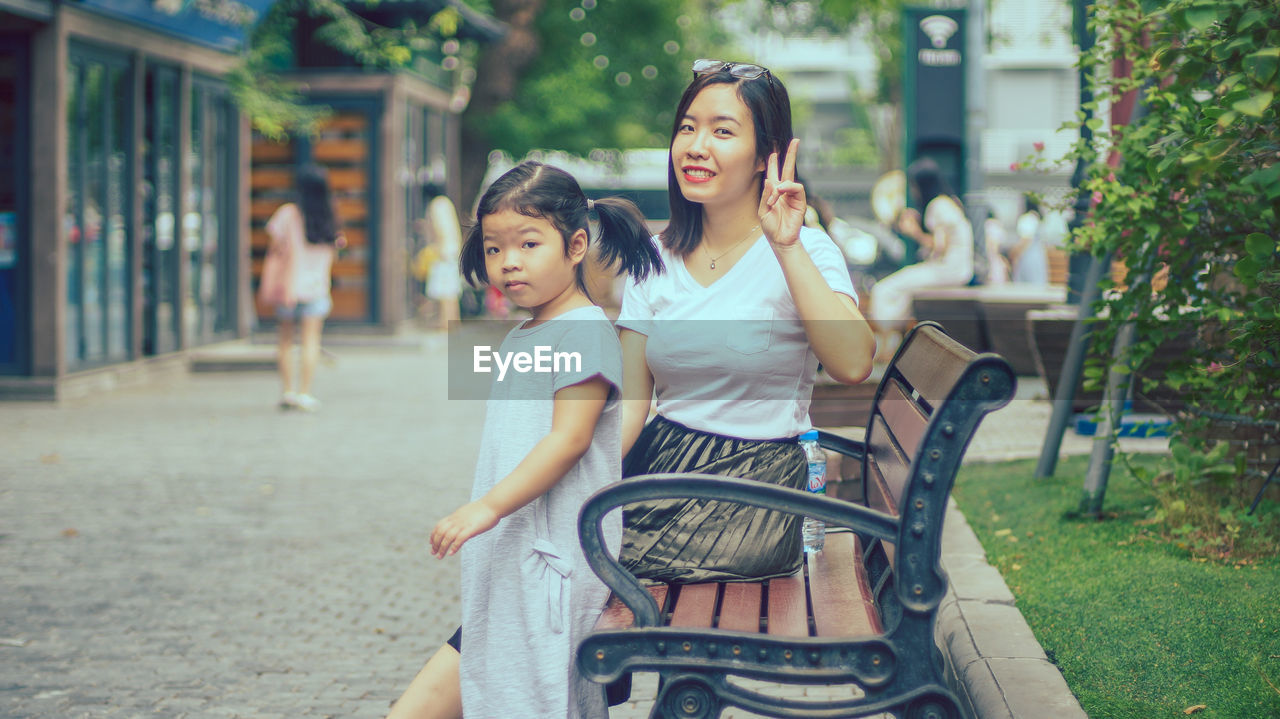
[{"x": 783, "y": 203}]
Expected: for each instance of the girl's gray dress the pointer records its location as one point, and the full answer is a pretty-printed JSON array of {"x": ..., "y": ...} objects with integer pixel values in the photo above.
[{"x": 528, "y": 595}]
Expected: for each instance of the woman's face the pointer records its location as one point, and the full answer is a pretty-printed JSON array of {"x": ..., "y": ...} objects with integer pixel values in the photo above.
[{"x": 714, "y": 150}]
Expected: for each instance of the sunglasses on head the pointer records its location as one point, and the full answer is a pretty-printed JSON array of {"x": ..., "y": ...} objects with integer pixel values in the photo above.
[{"x": 740, "y": 70}]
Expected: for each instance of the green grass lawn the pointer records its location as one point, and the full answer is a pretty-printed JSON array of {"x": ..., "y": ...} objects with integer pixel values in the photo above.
[{"x": 1139, "y": 629}]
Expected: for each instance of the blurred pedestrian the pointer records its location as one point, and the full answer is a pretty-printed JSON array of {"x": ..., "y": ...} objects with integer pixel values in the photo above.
[
  {"x": 296, "y": 279},
  {"x": 550, "y": 439},
  {"x": 994, "y": 238},
  {"x": 444, "y": 282},
  {"x": 1028, "y": 256},
  {"x": 946, "y": 246}
]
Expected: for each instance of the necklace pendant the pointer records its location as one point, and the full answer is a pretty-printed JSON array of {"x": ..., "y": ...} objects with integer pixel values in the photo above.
[{"x": 713, "y": 264}]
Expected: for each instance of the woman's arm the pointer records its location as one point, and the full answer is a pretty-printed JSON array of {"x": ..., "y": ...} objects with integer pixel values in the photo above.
[
  {"x": 836, "y": 329},
  {"x": 637, "y": 387},
  {"x": 935, "y": 243},
  {"x": 576, "y": 411}
]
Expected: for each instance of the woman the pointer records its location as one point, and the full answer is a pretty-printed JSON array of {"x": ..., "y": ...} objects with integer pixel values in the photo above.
[
  {"x": 296, "y": 279},
  {"x": 729, "y": 338},
  {"x": 946, "y": 241}
]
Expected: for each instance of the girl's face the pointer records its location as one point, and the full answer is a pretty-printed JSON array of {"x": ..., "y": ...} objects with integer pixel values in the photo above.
[
  {"x": 525, "y": 258},
  {"x": 714, "y": 150}
]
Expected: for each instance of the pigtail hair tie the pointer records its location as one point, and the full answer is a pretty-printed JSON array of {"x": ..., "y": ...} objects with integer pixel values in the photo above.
[{"x": 591, "y": 204}]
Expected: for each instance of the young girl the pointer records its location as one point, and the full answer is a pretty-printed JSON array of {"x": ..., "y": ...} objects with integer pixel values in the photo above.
[{"x": 550, "y": 440}]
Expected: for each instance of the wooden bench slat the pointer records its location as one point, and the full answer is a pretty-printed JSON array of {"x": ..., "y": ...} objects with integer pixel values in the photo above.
[
  {"x": 616, "y": 615},
  {"x": 932, "y": 363},
  {"x": 904, "y": 417},
  {"x": 892, "y": 468},
  {"x": 845, "y": 606},
  {"x": 740, "y": 607},
  {"x": 878, "y": 496},
  {"x": 788, "y": 606},
  {"x": 695, "y": 605}
]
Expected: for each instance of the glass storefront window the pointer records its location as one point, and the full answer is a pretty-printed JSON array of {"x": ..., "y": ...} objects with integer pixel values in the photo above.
[
  {"x": 188, "y": 216},
  {"x": 96, "y": 226},
  {"x": 209, "y": 305},
  {"x": 71, "y": 220},
  {"x": 159, "y": 257},
  {"x": 116, "y": 245}
]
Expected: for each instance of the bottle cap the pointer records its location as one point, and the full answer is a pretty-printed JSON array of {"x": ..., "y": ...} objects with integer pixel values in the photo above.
[{"x": 811, "y": 434}]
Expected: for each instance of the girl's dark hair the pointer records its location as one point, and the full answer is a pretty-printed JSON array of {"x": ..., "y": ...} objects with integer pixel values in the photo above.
[
  {"x": 770, "y": 106},
  {"x": 317, "y": 205},
  {"x": 537, "y": 190},
  {"x": 925, "y": 175}
]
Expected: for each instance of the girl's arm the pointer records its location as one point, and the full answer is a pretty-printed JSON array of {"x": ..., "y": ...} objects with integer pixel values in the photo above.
[
  {"x": 637, "y": 387},
  {"x": 835, "y": 327},
  {"x": 573, "y": 423}
]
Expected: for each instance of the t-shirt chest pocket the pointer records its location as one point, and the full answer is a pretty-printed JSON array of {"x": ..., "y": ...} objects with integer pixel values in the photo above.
[{"x": 749, "y": 330}]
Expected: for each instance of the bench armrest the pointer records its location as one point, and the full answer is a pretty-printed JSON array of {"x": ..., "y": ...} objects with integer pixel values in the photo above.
[
  {"x": 854, "y": 448},
  {"x": 702, "y": 486}
]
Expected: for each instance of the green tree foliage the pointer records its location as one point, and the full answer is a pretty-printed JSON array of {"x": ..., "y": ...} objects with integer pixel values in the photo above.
[
  {"x": 608, "y": 75},
  {"x": 1192, "y": 194},
  {"x": 273, "y": 105}
]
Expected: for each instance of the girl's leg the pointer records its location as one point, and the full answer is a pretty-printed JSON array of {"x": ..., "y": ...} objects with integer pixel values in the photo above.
[
  {"x": 436, "y": 693},
  {"x": 284, "y": 340},
  {"x": 311, "y": 330}
]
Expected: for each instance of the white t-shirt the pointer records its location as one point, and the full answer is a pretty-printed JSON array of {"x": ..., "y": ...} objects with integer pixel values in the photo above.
[
  {"x": 944, "y": 216},
  {"x": 732, "y": 358}
]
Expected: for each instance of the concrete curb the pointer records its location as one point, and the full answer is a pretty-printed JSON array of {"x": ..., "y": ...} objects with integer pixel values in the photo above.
[{"x": 993, "y": 662}]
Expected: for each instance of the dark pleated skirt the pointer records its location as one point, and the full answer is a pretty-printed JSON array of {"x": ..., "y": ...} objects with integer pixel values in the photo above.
[{"x": 690, "y": 540}]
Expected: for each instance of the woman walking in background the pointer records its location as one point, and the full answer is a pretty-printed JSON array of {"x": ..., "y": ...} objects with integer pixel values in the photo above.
[{"x": 296, "y": 278}]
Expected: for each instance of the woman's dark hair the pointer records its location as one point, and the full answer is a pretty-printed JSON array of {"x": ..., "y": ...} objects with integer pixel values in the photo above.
[
  {"x": 317, "y": 205},
  {"x": 927, "y": 178},
  {"x": 537, "y": 190},
  {"x": 770, "y": 107}
]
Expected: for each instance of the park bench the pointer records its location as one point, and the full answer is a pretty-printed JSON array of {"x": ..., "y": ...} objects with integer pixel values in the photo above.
[{"x": 861, "y": 611}]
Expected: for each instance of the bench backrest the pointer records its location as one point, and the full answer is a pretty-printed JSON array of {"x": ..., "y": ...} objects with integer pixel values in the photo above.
[{"x": 927, "y": 408}]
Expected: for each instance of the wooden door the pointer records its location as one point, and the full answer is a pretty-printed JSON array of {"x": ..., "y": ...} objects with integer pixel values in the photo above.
[{"x": 344, "y": 146}]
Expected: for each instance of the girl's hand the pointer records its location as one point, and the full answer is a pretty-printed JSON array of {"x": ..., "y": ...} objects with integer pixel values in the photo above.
[
  {"x": 466, "y": 522},
  {"x": 783, "y": 203}
]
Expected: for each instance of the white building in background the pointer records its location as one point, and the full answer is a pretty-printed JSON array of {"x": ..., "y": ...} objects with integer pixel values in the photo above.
[
  {"x": 827, "y": 74},
  {"x": 1032, "y": 89}
]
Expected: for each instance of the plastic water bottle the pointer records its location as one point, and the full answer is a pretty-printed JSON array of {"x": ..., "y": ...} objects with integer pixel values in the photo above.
[{"x": 814, "y": 531}]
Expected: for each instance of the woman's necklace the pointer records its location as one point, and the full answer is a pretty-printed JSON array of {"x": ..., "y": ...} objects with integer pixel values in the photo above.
[{"x": 750, "y": 233}]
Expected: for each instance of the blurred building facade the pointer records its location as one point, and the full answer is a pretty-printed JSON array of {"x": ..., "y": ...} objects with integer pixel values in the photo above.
[
  {"x": 121, "y": 189},
  {"x": 126, "y": 192}
]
